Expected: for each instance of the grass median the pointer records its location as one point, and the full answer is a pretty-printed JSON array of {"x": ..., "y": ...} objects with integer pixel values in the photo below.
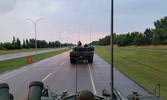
[
  {"x": 145, "y": 67},
  {"x": 18, "y": 62},
  {"x": 5, "y": 52}
]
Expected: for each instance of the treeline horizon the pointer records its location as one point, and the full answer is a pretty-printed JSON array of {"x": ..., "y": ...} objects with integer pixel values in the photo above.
[
  {"x": 157, "y": 36},
  {"x": 30, "y": 43}
]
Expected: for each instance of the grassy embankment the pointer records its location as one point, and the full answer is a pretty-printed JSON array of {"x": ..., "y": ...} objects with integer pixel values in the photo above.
[
  {"x": 144, "y": 66},
  {"x": 5, "y": 52},
  {"x": 18, "y": 62}
]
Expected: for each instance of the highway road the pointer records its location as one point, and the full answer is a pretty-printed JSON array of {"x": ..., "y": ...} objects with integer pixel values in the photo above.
[
  {"x": 17, "y": 55},
  {"x": 59, "y": 74}
]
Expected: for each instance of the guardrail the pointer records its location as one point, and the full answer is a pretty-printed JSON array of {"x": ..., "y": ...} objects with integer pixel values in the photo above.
[{"x": 159, "y": 89}]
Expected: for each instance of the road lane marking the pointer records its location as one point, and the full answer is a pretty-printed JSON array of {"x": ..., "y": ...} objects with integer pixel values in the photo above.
[
  {"x": 12, "y": 75},
  {"x": 62, "y": 63},
  {"x": 46, "y": 77},
  {"x": 92, "y": 81}
]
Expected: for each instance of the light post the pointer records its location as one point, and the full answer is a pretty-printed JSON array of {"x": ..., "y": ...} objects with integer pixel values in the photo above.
[{"x": 35, "y": 24}]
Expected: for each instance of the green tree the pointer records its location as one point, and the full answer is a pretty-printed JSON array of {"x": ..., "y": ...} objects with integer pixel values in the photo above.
[
  {"x": 24, "y": 44},
  {"x": 94, "y": 43},
  {"x": 160, "y": 31},
  {"x": 32, "y": 43},
  {"x": 115, "y": 38},
  {"x": 41, "y": 44},
  {"x": 27, "y": 44},
  {"x": 107, "y": 40},
  {"x": 57, "y": 43},
  {"x": 49, "y": 44},
  {"x": 1, "y": 46},
  {"x": 158, "y": 36},
  {"x": 8, "y": 46},
  {"x": 133, "y": 36},
  {"x": 122, "y": 40},
  {"x": 18, "y": 44},
  {"x": 140, "y": 39},
  {"x": 148, "y": 36},
  {"x": 104, "y": 41},
  {"x": 14, "y": 42}
]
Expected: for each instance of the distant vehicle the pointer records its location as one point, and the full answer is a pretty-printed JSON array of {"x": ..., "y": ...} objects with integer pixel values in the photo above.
[{"x": 82, "y": 53}]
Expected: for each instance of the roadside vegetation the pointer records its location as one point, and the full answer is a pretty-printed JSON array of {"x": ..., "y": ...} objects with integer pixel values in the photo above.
[
  {"x": 18, "y": 62},
  {"x": 144, "y": 66},
  {"x": 156, "y": 36},
  {"x": 27, "y": 44}
]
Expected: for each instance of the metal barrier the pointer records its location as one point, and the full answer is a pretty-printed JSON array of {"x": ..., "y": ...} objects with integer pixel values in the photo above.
[
  {"x": 29, "y": 59},
  {"x": 159, "y": 89}
]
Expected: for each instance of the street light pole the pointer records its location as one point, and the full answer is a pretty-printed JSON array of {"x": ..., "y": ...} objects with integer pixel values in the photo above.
[{"x": 35, "y": 25}]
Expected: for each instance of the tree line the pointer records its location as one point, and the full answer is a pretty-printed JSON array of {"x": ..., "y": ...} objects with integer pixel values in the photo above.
[
  {"x": 157, "y": 36},
  {"x": 16, "y": 44}
]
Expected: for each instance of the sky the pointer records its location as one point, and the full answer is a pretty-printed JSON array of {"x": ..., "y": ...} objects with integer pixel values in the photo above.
[{"x": 73, "y": 20}]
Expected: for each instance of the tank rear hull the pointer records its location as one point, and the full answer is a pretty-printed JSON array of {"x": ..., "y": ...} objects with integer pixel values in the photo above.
[{"x": 81, "y": 53}]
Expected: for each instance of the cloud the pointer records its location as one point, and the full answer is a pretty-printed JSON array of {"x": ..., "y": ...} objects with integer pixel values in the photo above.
[
  {"x": 137, "y": 15},
  {"x": 7, "y": 6},
  {"x": 59, "y": 16}
]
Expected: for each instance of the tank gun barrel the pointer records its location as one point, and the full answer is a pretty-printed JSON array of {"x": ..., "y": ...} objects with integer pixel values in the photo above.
[
  {"x": 4, "y": 92},
  {"x": 35, "y": 90}
]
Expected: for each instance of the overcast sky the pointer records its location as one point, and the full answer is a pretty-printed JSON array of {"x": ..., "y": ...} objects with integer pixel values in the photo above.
[{"x": 66, "y": 16}]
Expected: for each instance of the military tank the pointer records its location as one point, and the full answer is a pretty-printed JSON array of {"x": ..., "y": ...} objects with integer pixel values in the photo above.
[
  {"x": 37, "y": 91},
  {"x": 82, "y": 53}
]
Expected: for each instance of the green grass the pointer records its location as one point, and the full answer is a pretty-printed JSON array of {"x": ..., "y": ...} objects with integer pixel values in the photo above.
[
  {"x": 5, "y": 52},
  {"x": 104, "y": 52},
  {"x": 18, "y": 62},
  {"x": 146, "y": 67},
  {"x": 154, "y": 47}
]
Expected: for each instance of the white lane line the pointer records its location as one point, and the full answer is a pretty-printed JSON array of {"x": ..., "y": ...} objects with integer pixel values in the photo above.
[
  {"x": 91, "y": 77},
  {"x": 46, "y": 77},
  {"x": 62, "y": 63},
  {"x": 12, "y": 75}
]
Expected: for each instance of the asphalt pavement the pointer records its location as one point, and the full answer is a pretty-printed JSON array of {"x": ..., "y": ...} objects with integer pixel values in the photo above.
[
  {"x": 59, "y": 74},
  {"x": 17, "y": 55}
]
